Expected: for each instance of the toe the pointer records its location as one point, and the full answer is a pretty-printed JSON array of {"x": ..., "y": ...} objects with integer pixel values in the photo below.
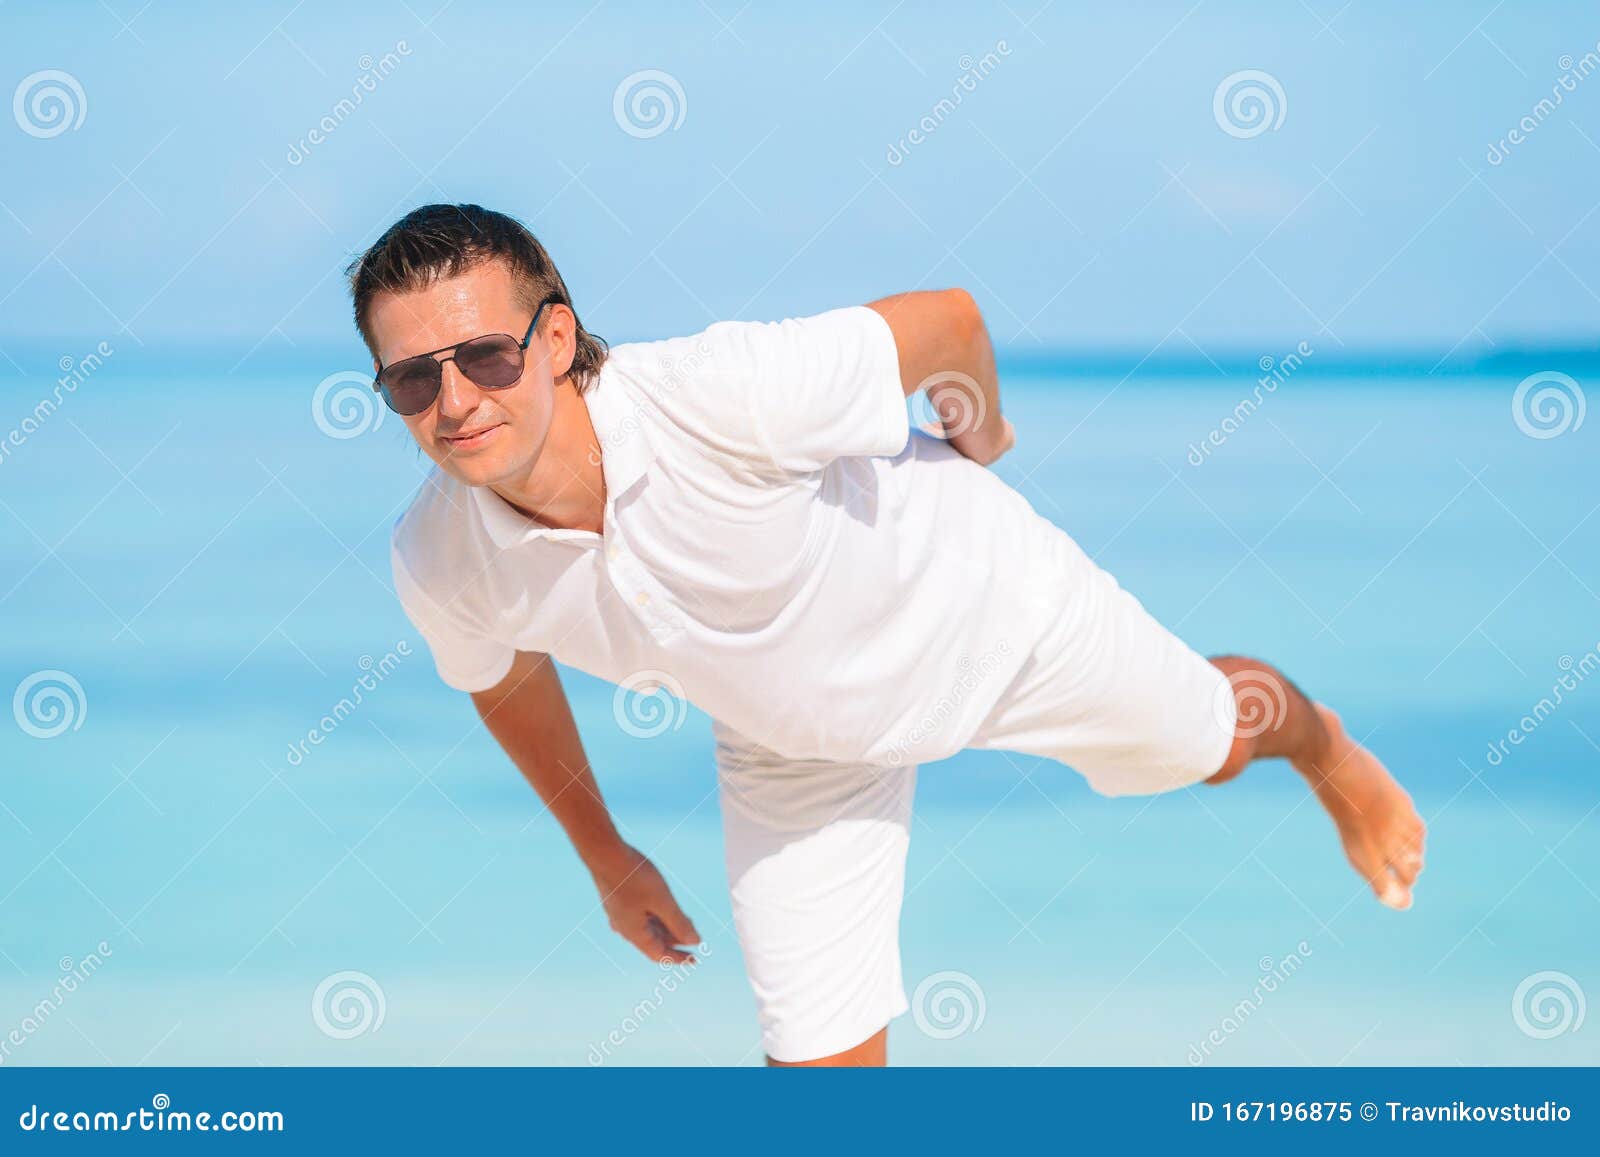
[
  {"x": 1387, "y": 885},
  {"x": 1407, "y": 869},
  {"x": 1408, "y": 862},
  {"x": 1392, "y": 891}
]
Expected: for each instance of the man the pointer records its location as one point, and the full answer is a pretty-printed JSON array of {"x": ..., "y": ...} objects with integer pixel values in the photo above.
[{"x": 745, "y": 518}]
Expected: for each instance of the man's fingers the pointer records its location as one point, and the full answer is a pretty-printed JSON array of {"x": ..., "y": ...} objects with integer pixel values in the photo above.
[
  {"x": 667, "y": 941},
  {"x": 647, "y": 917},
  {"x": 680, "y": 929},
  {"x": 643, "y": 941},
  {"x": 652, "y": 943}
]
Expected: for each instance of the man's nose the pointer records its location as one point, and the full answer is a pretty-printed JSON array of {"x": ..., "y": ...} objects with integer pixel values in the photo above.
[{"x": 458, "y": 397}]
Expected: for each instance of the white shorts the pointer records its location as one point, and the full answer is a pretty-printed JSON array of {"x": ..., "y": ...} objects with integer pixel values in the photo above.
[{"x": 816, "y": 850}]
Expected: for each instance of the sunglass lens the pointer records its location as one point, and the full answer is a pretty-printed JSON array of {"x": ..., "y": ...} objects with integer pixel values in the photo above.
[
  {"x": 493, "y": 362},
  {"x": 410, "y": 386}
]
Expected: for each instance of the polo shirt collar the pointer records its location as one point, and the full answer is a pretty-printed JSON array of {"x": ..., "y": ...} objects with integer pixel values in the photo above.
[{"x": 625, "y": 456}]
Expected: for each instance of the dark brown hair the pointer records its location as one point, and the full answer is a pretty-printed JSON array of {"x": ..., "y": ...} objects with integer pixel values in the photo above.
[{"x": 438, "y": 241}]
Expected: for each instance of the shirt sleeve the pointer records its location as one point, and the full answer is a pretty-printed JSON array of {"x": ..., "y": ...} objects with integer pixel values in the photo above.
[
  {"x": 817, "y": 388},
  {"x": 465, "y": 657}
]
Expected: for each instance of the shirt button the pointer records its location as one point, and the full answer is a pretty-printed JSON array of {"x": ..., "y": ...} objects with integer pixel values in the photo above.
[
  {"x": 642, "y": 598},
  {"x": 611, "y": 551}
]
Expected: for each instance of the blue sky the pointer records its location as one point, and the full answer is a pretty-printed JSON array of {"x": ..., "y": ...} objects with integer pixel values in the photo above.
[{"x": 1083, "y": 188}]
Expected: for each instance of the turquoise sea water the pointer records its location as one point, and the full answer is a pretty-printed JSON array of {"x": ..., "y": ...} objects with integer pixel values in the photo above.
[{"x": 211, "y": 568}]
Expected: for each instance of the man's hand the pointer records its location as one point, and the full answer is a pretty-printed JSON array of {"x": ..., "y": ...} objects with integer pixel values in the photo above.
[
  {"x": 527, "y": 712},
  {"x": 641, "y": 907}
]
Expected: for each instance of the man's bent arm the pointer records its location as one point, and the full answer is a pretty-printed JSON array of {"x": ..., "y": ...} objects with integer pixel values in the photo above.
[
  {"x": 944, "y": 347},
  {"x": 528, "y": 714}
]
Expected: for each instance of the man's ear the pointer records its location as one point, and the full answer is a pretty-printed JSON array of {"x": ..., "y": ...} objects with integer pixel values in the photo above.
[{"x": 563, "y": 340}]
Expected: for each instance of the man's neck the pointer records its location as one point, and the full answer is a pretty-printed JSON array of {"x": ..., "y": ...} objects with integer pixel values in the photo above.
[{"x": 565, "y": 488}]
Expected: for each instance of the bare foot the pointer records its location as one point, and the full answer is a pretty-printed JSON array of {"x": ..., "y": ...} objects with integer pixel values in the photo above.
[{"x": 1383, "y": 834}]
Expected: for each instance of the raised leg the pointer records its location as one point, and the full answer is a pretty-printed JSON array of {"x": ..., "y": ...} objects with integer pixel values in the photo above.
[{"x": 1382, "y": 833}]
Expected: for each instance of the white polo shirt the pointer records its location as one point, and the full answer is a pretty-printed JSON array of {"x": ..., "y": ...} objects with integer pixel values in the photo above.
[{"x": 775, "y": 549}]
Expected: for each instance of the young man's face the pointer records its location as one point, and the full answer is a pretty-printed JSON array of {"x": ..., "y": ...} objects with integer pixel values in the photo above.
[{"x": 479, "y": 436}]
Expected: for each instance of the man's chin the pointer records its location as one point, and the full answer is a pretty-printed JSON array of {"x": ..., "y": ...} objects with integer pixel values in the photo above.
[{"x": 477, "y": 467}]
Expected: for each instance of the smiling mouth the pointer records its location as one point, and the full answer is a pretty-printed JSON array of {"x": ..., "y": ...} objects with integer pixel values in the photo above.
[{"x": 470, "y": 441}]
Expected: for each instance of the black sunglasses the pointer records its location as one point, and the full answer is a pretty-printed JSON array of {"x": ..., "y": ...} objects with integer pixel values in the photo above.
[{"x": 491, "y": 362}]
